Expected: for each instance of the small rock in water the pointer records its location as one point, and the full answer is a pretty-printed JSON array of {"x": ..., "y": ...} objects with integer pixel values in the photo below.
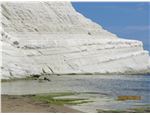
[
  {"x": 44, "y": 78},
  {"x": 47, "y": 79}
]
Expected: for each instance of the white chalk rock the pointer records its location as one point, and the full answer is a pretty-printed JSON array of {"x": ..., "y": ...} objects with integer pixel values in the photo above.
[{"x": 52, "y": 38}]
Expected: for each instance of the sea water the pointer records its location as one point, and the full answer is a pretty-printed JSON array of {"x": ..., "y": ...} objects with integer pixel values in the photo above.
[{"x": 105, "y": 91}]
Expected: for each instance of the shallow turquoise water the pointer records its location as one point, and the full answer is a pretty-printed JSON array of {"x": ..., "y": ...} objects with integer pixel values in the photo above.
[{"x": 102, "y": 89}]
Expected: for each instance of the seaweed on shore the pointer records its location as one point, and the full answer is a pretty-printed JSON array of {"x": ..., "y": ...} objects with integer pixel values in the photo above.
[{"x": 51, "y": 99}]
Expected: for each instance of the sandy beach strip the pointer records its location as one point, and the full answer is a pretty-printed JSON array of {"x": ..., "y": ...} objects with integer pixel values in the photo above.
[{"x": 25, "y": 104}]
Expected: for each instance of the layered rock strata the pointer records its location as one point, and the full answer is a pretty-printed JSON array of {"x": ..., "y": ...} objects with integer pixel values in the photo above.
[{"x": 52, "y": 38}]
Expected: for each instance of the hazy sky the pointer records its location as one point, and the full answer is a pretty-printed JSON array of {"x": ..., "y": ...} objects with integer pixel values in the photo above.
[{"x": 130, "y": 20}]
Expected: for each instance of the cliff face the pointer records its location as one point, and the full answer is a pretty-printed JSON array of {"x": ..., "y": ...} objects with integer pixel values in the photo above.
[{"x": 42, "y": 37}]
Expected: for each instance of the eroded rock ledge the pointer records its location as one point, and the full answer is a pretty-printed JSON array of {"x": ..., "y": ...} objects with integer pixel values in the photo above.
[{"x": 52, "y": 38}]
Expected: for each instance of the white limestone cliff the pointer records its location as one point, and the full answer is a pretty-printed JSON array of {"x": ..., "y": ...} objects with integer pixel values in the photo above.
[{"x": 51, "y": 37}]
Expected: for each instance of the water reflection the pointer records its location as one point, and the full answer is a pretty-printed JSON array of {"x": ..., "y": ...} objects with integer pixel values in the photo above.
[{"x": 125, "y": 97}]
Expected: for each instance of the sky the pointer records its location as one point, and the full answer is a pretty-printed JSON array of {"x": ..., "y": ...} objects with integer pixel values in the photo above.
[{"x": 129, "y": 20}]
